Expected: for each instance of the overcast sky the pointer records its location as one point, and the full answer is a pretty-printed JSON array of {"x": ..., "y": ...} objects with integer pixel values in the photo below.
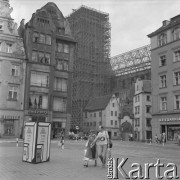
[{"x": 131, "y": 20}]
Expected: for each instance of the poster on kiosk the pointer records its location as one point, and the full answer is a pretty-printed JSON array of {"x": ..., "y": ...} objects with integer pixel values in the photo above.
[{"x": 36, "y": 146}]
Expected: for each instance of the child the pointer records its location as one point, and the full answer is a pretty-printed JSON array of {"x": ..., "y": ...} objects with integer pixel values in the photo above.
[
  {"x": 61, "y": 142},
  {"x": 90, "y": 152}
]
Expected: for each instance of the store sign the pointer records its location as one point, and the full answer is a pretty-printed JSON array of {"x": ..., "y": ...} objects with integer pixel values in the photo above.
[
  {"x": 36, "y": 111},
  {"x": 169, "y": 119}
]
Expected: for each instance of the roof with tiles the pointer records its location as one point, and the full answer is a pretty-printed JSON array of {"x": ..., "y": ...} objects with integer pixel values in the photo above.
[{"x": 98, "y": 103}]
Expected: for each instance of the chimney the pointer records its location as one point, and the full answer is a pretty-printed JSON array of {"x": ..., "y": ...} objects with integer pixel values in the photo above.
[{"x": 165, "y": 22}]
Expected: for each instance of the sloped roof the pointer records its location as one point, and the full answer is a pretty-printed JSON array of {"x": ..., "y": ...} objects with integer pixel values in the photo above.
[
  {"x": 173, "y": 21},
  {"x": 147, "y": 86},
  {"x": 98, "y": 103}
]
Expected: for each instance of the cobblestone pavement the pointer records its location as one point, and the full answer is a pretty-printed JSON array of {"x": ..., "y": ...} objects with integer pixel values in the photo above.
[{"x": 67, "y": 164}]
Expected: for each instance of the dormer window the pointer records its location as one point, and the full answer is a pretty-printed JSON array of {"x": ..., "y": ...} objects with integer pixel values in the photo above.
[
  {"x": 176, "y": 33},
  {"x": 162, "y": 39}
]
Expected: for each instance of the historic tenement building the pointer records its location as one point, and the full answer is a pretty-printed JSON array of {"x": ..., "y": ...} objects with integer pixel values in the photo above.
[
  {"x": 12, "y": 75},
  {"x": 165, "y": 75},
  {"x": 49, "y": 50}
]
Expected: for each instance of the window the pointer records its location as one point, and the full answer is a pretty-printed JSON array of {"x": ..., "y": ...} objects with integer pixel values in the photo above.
[
  {"x": 15, "y": 71},
  {"x": 111, "y": 122},
  {"x": 115, "y": 123},
  {"x": 1, "y": 26},
  {"x": 112, "y": 104},
  {"x": 35, "y": 37},
  {"x": 100, "y": 114},
  {"x": 176, "y": 55},
  {"x": 13, "y": 93},
  {"x": 90, "y": 123},
  {"x": 137, "y": 122},
  {"x": 177, "y": 102},
  {"x": 35, "y": 56},
  {"x": 94, "y": 114},
  {"x": 62, "y": 65},
  {"x": 148, "y": 122},
  {"x": 87, "y": 123},
  {"x": 162, "y": 61},
  {"x": 38, "y": 101},
  {"x": 115, "y": 133},
  {"x": 48, "y": 39},
  {"x": 39, "y": 79},
  {"x": 137, "y": 109},
  {"x": 59, "y": 104},
  {"x": 177, "y": 78},
  {"x": 60, "y": 84},
  {"x": 9, "y": 48},
  {"x": 163, "y": 105},
  {"x": 41, "y": 57},
  {"x": 163, "y": 81},
  {"x": 100, "y": 123},
  {"x": 42, "y": 38},
  {"x": 148, "y": 109},
  {"x": 47, "y": 58},
  {"x": 111, "y": 113},
  {"x": 148, "y": 98},
  {"x": 162, "y": 40},
  {"x": 94, "y": 123},
  {"x": 66, "y": 48},
  {"x": 115, "y": 113},
  {"x": 176, "y": 33},
  {"x": 85, "y": 114},
  {"x": 59, "y": 47}
]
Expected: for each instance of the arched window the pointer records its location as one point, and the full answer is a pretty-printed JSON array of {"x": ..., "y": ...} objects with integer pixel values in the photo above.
[
  {"x": 162, "y": 39},
  {"x": 176, "y": 33}
]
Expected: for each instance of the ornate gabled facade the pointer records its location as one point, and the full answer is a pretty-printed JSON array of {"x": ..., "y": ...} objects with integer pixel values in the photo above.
[
  {"x": 49, "y": 51},
  {"x": 12, "y": 75}
]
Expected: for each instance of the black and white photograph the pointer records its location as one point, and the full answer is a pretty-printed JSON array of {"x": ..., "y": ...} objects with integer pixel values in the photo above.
[{"x": 89, "y": 89}]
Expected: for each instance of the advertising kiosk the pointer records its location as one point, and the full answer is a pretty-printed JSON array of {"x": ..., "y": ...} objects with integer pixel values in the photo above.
[{"x": 36, "y": 146}]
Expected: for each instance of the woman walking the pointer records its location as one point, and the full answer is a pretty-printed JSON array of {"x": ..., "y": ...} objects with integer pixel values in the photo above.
[{"x": 90, "y": 151}]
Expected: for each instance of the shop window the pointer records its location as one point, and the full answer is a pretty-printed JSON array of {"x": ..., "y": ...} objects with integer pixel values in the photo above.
[
  {"x": 13, "y": 93},
  {"x": 59, "y": 104},
  {"x": 60, "y": 84},
  {"x": 15, "y": 70},
  {"x": 39, "y": 79},
  {"x": 9, "y": 127},
  {"x": 38, "y": 101}
]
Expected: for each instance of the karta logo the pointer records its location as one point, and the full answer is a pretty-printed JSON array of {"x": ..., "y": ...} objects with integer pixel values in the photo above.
[{"x": 115, "y": 168}]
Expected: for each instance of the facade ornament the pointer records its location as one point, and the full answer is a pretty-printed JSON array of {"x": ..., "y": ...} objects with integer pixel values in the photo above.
[{"x": 5, "y": 9}]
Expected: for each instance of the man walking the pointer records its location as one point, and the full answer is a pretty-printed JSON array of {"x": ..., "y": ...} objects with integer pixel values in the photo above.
[{"x": 102, "y": 142}]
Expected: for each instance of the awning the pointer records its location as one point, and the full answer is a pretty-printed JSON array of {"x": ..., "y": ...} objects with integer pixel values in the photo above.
[{"x": 11, "y": 117}]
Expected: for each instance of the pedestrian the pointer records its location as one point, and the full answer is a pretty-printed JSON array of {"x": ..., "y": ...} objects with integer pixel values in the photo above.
[
  {"x": 163, "y": 138},
  {"x": 61, "y": 142},
  {"x": 156, "y": 138},
  {"x": 90, "y": 151},
  {"x": 103, "y": 143}
]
